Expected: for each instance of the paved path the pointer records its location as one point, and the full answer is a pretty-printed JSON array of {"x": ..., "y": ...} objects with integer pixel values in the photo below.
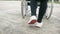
[{"x": 11, "y": 21}]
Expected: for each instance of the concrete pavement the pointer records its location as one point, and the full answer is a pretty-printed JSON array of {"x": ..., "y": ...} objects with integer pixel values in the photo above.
[{"x": 11, "y": 21}]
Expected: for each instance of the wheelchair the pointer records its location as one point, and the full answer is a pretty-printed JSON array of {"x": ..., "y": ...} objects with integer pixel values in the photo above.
[{"x": 25, "y": 10}]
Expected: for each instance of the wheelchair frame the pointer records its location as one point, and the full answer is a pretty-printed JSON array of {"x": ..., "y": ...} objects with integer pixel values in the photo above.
[{"x": 24, "y": 8}]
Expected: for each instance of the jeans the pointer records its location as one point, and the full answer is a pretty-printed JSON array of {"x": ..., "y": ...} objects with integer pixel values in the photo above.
[{"x": 42, "y": 9}]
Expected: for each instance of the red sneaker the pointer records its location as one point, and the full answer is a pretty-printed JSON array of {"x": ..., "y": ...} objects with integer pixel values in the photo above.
[{"x": 32, "y": 20}]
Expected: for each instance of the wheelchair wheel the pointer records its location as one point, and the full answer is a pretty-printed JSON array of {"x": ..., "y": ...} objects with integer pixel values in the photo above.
[
  {"x": 24, "y": 8},
  {"x": 49, "y": 10}
]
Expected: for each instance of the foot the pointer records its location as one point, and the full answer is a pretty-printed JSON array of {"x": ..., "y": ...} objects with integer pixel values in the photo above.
[
  {"x": 32, "y": 20},
  {"x": 39, "y": 25}
]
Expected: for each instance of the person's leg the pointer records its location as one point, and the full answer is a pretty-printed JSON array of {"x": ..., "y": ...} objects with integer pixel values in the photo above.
[
  {"x": 42, "y": 10},
  {"x": 33, "y": 6}
]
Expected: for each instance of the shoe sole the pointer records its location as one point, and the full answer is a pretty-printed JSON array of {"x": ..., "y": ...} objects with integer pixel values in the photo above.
[
  {"x": 37, "y": 27},
  {"x": 33, "y": 22}
]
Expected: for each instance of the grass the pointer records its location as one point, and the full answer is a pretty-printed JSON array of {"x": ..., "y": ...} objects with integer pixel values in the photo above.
[{"x": 56, "y": 2}]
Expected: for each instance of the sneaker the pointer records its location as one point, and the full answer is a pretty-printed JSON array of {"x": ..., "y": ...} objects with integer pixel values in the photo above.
[
  {"x": 39, "y": 25},
  {"x": 32, "y": 20}
]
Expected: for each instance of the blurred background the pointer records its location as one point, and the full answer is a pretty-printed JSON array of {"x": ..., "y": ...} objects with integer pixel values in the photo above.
[{"x": 11, "y": 21}]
